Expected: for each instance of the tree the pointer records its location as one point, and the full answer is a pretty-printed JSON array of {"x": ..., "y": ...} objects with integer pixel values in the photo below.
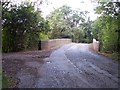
[
  {"x": 65, "y": 22},
  {"x": 87, "y": 27},
  {"x": 58, "y": 21},
  {"x": 21, "y": 26},
  {"x": 107, "y": 25}
]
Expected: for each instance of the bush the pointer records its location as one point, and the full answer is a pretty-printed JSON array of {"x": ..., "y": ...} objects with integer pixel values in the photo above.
[{"x": 21, "y": 26}]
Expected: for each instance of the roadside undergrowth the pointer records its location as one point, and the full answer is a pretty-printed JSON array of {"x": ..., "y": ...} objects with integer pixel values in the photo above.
[
  {"x": 114, "y": 55},
  {"x": 7, "y": 81}
]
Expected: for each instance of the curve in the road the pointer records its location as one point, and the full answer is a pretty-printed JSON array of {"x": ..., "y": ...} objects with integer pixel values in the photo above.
[{"x": 74, "y": 65}]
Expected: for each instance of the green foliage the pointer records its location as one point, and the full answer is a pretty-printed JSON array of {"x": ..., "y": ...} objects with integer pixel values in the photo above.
[
  {"x": 67, "y": 23},
  {"x": 58, "y": 21},
  {"x": 87, "y": 27},
  {"x": 104, "y": 28},
  {"x": 7, "y": 82},
  {"x": 43, "y": 36},
  {"x": 110, "y": 37},
  {"x": 21, "y": 26}
]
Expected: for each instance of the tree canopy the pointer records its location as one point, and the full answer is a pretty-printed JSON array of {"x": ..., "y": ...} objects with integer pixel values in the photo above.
[
  {"x": 106, "y": 27},
  {"x": 21, "y": 26},
  {"x": 65, "y": 22}
]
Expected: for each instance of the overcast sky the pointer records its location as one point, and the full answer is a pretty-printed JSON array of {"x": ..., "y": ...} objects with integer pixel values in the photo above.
[
  {"x": 87, "y": 5},
  {"x": 84, "y": 5}
]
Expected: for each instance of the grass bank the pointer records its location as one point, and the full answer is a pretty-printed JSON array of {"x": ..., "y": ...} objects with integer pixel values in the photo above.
[
  {"x": 114, "y": 55},
  {"x": 7, "y": 81}
]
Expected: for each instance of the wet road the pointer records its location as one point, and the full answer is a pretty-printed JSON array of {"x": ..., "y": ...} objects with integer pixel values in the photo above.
[{"x": 72, "y": 66}]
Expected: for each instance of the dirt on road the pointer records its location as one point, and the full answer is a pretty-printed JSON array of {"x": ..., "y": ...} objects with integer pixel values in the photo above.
[{"x": 16, "y": 64}]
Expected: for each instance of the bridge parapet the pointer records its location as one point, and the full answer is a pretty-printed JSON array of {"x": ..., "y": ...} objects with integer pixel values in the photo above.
[
  {"x": 95, "y": 45},
  {"x": 54, "y": 43}
]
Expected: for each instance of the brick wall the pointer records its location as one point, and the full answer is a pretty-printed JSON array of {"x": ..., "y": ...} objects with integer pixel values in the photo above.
[
  {"x": 54, "y": 43},
  {"x": 95, "y": 45}
]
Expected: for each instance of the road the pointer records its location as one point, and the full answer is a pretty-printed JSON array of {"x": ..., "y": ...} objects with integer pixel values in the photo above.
[
  {"x": 74, "y": 66},
  {"x": 71, "y": 66}
]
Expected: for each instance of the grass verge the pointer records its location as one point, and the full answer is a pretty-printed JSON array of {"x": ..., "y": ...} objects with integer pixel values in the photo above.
[
  {"x": 114, "y": 56},
  {"x": 7, "y": 81}
]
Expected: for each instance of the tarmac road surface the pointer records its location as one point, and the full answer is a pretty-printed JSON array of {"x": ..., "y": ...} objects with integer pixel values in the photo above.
[
  {"x": 71, "y": 66},
  {"x": 75, "y": 66}
]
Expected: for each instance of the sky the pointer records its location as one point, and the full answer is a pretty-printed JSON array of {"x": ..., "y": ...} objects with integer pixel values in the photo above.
[{"x": 84, "y": 5}]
